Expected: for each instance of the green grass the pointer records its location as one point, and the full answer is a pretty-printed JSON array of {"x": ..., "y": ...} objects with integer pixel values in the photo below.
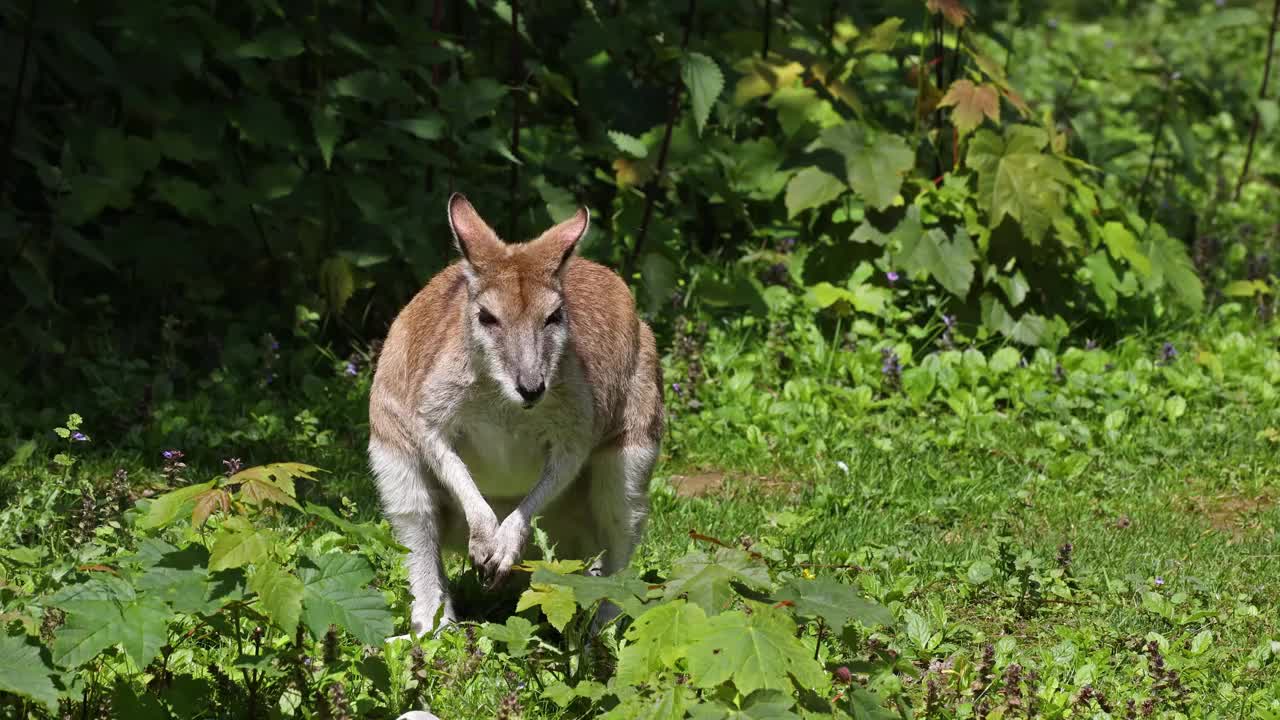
[{"x": 950, "y": 501}]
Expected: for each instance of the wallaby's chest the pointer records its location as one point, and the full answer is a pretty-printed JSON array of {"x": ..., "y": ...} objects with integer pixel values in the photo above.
[{"x": 505, "y": 462}]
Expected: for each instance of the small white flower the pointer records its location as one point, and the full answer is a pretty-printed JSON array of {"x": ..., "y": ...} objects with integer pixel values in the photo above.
[{"x": 845, "y": 468}]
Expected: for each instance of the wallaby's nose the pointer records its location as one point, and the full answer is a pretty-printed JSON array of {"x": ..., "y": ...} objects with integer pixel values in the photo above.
[{"x": 530, "y": 394}]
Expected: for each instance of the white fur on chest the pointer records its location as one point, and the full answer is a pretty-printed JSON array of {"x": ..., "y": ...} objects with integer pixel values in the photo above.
[
  {"x": 504, "y": 461},
  {"x": 505, "y": 447}
]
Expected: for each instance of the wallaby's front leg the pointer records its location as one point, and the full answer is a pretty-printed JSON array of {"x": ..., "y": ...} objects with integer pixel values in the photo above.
[
  {"x": 482, "y": 524},
  {"x": 414, "y": 512},
  {"x": 557, "y": 474}
]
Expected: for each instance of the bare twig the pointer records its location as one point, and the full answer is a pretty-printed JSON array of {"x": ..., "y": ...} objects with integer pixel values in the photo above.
[
  {"x": 516, "y": 80},
  {"x": 1262, "y": 93},
  {"x": 655, "y": 185}
]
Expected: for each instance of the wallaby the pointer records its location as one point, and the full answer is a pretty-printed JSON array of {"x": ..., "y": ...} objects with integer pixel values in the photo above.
[{"x": 519, "y": 382}]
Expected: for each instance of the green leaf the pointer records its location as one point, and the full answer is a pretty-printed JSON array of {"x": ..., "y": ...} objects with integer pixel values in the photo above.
[
  {"x": 166, "y": 508},
  {"x": 280, "y": 594},
  {"x": 377, "y": 535},
  {"x": 556, "y": 601},
  {"x": 327, "y": 125},
  {"x": 1246, "y": 288},
  {"x": 1017, "y": 180},
  {"x": 626, "y": 592},
  {"x": 1103, "y": 278},
  {"x": 1124, "y": 246},
  {"x": 181, "y": 579},
  {"x": 707, "y": 579},
  {"x": 658, "y": 638},
  {"x": 429, "y": 127},
  {"x": 705, "y": 82},
  {"x": 237, "y": 548},
  {"x": 24, "y": 672},
  {"x": 875, "y": 162},
  {"x": 274, "y": 44},
  {"x": 1172, "y": 268},
  {"x": 980, "y": 571},
  {"x": 337, "y": 284},
  {"x": 334, "y": 593},
  {"x": 516, "y": 634},
  {"x": 867, "y": 706},
  {"x": 1004, "y": 360},
  {"x": 86, "y": 633},
  {"x": 950, "y": 262},
  {"x": 835, "y": 603},
  {"x": 753, "y": 651},
  {"x": 276, "y": 180},
  {"x": 811, "y": 188},
  {"x": 144, "y": 628},
  {"x": 629, "y": 144}
]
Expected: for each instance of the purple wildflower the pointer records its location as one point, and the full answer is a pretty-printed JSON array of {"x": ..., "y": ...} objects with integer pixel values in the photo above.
[
  {"x": 892, "y": 277},
  {"x": 890, "y": 367},
  {"x": 79, "y": 437},
  {"x": 676, "y": 387},
  {"x": 170, "y": 454},
  {"x": 1159, "y": 581},
  {"x": 351, "y": 370},
  {"x": 1090, "y": 344},
  {"x": 1167, "y": 353},
  {"x": 949, "y": 321}
]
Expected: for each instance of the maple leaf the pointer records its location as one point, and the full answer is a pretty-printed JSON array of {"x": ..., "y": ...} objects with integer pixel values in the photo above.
[
  {"x": 952, "y": 10},
  {"x": 971, "y": 102}
]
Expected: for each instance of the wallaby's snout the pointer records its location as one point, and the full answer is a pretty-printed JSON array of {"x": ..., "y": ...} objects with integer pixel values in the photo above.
[{"x": 530, "y": 390}]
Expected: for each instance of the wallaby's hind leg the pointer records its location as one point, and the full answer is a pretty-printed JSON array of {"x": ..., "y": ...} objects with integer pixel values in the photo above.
[
  {"x": 416, "y": 519},
  {"x": 620, "y": 507}
]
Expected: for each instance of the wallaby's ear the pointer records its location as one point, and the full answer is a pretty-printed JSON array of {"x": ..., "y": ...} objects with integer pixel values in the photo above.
[
  {"x": 563, "y": 239},
  {"x": 473, "y": 236}
]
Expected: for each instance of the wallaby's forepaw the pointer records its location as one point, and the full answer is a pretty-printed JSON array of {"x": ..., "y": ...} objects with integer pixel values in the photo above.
[{"x": 508, "y": 546}]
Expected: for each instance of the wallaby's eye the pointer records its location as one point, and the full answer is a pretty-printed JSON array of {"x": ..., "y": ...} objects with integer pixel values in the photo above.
[
  {"x": 487, "y": 319},
  {"x": 556, "y": 317}
]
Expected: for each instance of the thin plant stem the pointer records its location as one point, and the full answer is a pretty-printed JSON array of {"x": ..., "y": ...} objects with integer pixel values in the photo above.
[
  {"x": 655, "y": 185},
  {"x": 1262, "y": 94}
]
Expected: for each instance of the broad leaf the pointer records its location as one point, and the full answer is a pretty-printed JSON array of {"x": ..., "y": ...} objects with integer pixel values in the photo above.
[
  {"x": 626, "y": 592},
  {"x": 280, "y": 594},
  {"x": 875, "y": 162},
  {"x": 811, "y": 188},
  {"x": 950, "y": 262},
  {"x": 971, "y": 103},
  {"x": 1170, "y": 266},
  {"x": 516, "y": 634},
  {"x": 327, "y": 125},
  {"x": 753, "y": 651},
  {"x": 144, "y": 628},
  {"x": 166, "y": 508},
  {"x": 706, "y": 580},
  {"x": 1124, "y": 246},
  {"x": 658, "y": 638},
  {"x": 181, "y": 579},
  {"x": 1017, "y": 180},
  {"x": 237, "y": 548},
  {"x": 427, "y": 127},
  {"x": 835, "y": 603},
  {"x": 953, "y": 10},
  {"x": 24, "y": 672},
  {"x": 629, "y": 144},
  {"x": 556, "y": 601},
  {"x": 334, "y": 593},
  {"x": 705, "y": 82}
]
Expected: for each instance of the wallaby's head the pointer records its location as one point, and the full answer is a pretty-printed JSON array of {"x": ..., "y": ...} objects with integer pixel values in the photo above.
[{"x": 517, "y": 324}]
